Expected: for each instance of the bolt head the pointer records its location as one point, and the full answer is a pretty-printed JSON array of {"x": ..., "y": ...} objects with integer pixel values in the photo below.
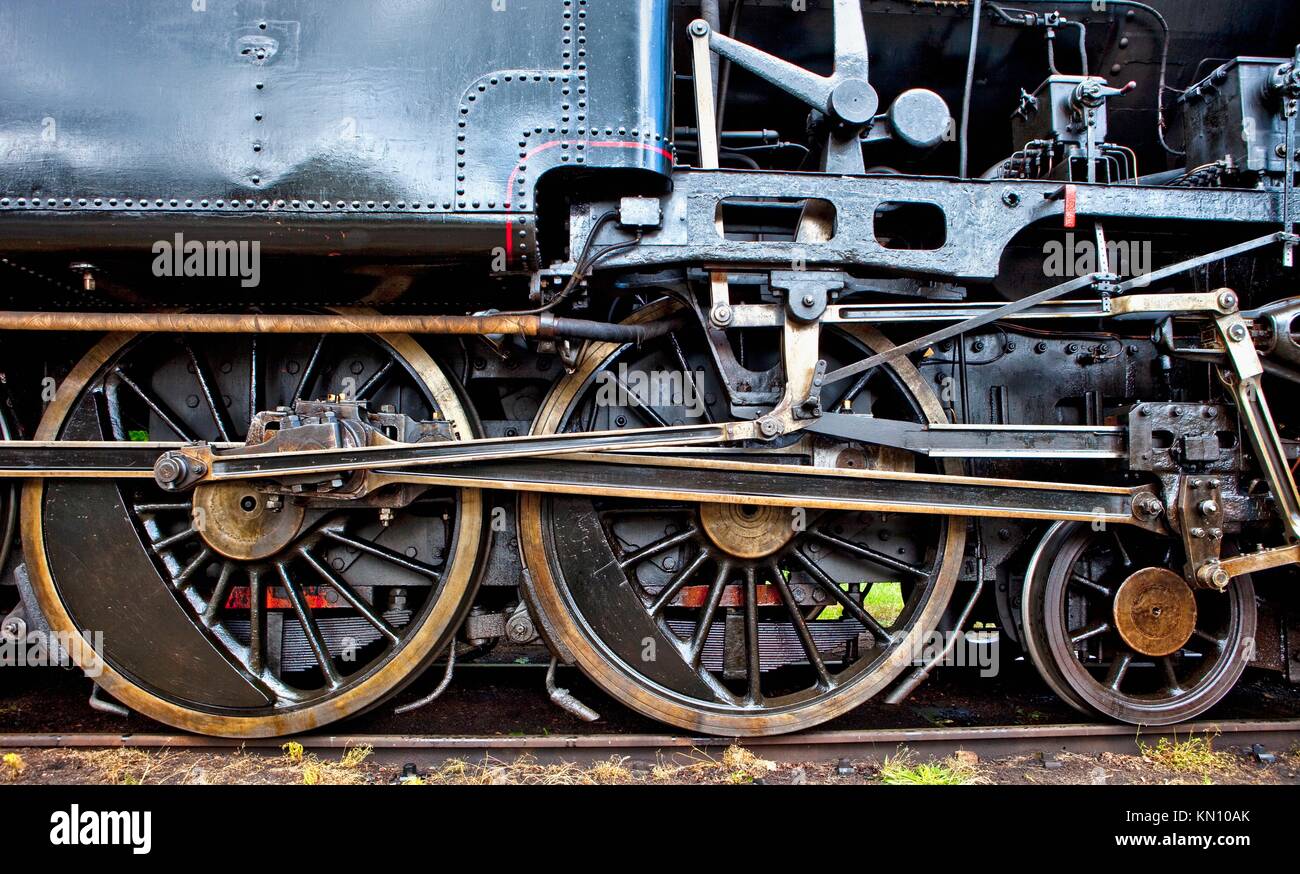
[{"x": 1214, "y": 575}]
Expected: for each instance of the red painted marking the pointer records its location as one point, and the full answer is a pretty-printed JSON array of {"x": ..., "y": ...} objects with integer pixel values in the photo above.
[
  {"x": 313, "y": 595},
  {"x": 1071, "y": 205},
  {"x": 732, "y": 596},
  {"x": 514, "y": 174}
]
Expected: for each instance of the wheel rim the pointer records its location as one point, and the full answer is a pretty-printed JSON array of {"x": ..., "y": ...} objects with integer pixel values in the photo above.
[
  {"x": 1077, "y": 635},
  {"x": 350, "y": 609},
  {"x": 668, "y": 624}
]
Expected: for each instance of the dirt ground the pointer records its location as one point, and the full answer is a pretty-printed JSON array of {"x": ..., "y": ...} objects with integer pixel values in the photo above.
[{"x": 1193, "y": 761}]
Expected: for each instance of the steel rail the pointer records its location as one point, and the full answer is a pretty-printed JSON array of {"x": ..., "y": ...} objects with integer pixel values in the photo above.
[{"x": 1002, "y": 740}]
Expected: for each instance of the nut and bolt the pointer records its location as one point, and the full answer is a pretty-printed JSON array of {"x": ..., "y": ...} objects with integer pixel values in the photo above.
[
  {"x": 1214, "y": 575},
  {"x": 1148, "y": 506},
  {"x": 168, "y": 470}
]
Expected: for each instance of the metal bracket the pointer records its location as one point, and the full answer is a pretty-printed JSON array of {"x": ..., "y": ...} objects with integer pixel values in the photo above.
[{"x": 1200, "y": 518}]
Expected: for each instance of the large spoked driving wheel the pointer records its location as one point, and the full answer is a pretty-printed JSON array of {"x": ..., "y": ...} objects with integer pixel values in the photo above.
[
  {"x": 228, "y": 611},
  {"x": 734, "y": 619},
  {"x": 1113, "y": 630}
]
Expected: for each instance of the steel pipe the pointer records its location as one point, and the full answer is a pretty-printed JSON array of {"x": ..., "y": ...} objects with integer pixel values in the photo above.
[{"x": 543, "y": 325}]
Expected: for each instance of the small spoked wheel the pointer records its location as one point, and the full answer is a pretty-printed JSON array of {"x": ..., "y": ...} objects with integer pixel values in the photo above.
[
  {"x": 1115, "y": 630},
  {"x": 233, "y": 611},
  {"x": 735, "y": 618}
]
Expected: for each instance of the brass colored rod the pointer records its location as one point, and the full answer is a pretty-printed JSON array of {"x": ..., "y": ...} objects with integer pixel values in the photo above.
[{"x": 544, "y": 325}]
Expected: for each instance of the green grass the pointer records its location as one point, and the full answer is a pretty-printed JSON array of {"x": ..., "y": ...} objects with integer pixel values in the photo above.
[
  {"x": 902, "y": 771},
  {"x": 1196, "y": 755},
  {"x": 884, "y": 601}
]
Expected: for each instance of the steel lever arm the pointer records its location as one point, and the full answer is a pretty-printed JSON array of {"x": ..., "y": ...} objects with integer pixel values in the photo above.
[{"x": 845, "y": 95}]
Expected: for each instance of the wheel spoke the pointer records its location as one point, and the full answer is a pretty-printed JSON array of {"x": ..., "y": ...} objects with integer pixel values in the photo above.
[
  {"x": 309, "y": 371},
  {"x": 210, "y": 394},
  {"x": 168, "y": 542},
  {"x": 379, "y": 377},
  {"x": 219, "y": 591},
  {"x": 256, "y": 621},
  {"x": 1208, "y": 638},
  {"x": 846, "y": 400},
  {"x": 1119, "y": 545},
  {"x": 686, "y": 369},
  {"x": 662, "y": 545},
  {"x": 1090, "y": 585},
  {"x": 706, "y": 617},
  {"x": 870, "y": 554},
  {"x": 801, "y": 628},
  {"x": 1089, "y": 632},
  {"x": 162, "y": 508},
  {"x": 754, "y": 667},
  {"x": 642, "y": 408},
  {"x": 254, "y": 378},
  {"x": 384, "y": 553},
  {"x": 1118, "y": 669},
  {"x": 168, "y": 418},
  {"x": 1171, "y": 676},
  {"x": 307, "y": 620},
  {"x": 182, "y": 579},
  {"x": 677, "y": 583},
  {"x": 350, "y": 595},
  {"x": 853, "y": 607}
]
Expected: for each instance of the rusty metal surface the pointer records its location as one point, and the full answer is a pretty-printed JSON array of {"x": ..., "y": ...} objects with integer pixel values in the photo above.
[
  {"x": 802, "y": 747},
  {"x": 1155, "y": 611},
  {"x": 342, "y": 322}
]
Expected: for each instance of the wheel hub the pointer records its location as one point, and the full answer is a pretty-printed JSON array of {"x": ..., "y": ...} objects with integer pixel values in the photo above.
[
  {"x": 237, "y": 522},
  {"x": 747, "y": 531},
  {"x": 1155, "y": 612}
]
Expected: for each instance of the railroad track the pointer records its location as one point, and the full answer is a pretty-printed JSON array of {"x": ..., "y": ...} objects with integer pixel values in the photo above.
[{"x": 988, "y": 741}]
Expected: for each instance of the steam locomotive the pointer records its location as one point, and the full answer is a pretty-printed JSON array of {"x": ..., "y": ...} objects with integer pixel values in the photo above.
[{"x": 750, "y": 356}]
